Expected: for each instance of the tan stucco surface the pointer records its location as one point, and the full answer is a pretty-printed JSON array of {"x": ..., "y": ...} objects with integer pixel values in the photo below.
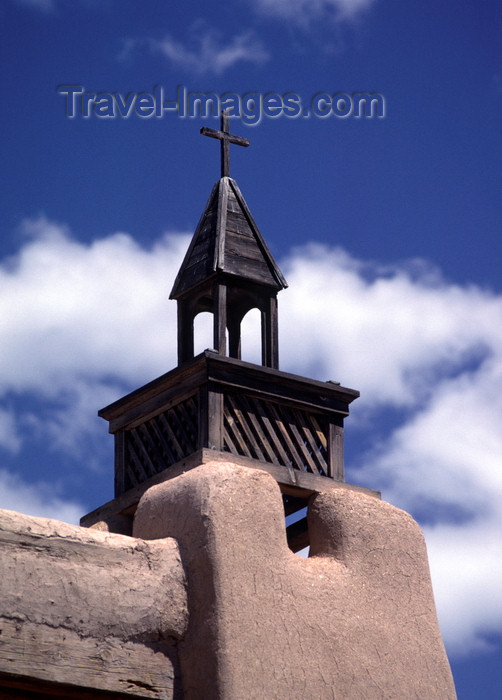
[
  {"x": 89, "y": 608},
  {"x": 207, "y": 602},
  {"x": 355, "y": 621}
]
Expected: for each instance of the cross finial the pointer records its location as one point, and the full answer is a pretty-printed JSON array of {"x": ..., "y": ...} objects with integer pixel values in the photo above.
[{"x": 226, "y": 139}]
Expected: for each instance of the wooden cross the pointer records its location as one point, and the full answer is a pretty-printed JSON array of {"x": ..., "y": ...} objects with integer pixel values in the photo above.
[{"x": 226, "y": 139}]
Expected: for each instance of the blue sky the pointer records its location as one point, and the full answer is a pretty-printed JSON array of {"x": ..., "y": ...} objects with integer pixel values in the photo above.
[{"x": 387, "y": 230}]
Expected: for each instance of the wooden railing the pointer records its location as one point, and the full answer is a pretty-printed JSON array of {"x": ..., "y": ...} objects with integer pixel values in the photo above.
[{"x": 256, "y": 413}]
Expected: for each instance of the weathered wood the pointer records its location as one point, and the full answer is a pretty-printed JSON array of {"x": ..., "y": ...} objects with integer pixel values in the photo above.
[
  {"x": 225, "y": 138},
  {"x": 61, "y": 656},
  {"x": 220, "y": 319},
  {"x": 265, "y": 413},
  {"x": 119, "y": 462},
  {"x": 242, "y": 419},
  {"x": 270, "y": 334},
  {"x": 280, "y": 418},
  {"x": 315, "y": 439},
  {"x": 234, "y": 337},
  {"x": 233, "y": 436},
  {"x": 134, "y": 450},
  {"x": 290, "y": 445},
  {"x": 251, "y": 416},
  {"x": 309, "y": 462},
  {"x": 170, "y": 455},
  {"x": 166, "y": 427},
  {"x": 215, "y": 419},
  {"x": 98, "y": 617},
  {"x": 336, "y": 465},
  {"x": 219, "y": 232},
  {"x": 291, "y": 482}
]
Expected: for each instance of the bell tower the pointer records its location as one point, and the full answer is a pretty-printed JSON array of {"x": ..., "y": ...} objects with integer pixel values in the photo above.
[
  {"x": 214, "y": 406},
  {"x": 228, "y": 269}
]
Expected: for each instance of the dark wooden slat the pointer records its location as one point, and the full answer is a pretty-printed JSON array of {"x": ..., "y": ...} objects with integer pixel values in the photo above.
[
  {"x": 119, "y": 462},
  {"x": 179, "y": 287},
  {"x": 220, "y": 319},
  {"x": 320, "y": 433},
  {"x": 233, "y": 205},
  {"x": 307, "y": 459},
  {"x": 323, "y": 439},
  {"x": 158, "y": 457},
  {"x": 306, "y": 431},
  {"x": 186, "y": 420},
  {"x": 170, "y": 456},
  {"x": 239, "y": 245},
  {"x": 335, "y": 452},
  {"x": 141, "y": 440},
  {"x": 270, "y": 428},
  {"x": 133, "y": 454},
  {"x": 242, "y": 419},
  {"x": 256, "y": 270},
  {"x": 296, "y": 459},
  {"x": 164, "y": 423},
  {"x": 250, "y": 410},
  {"x": 228, "y": 443},
  {"x": 234, "y": 428},
  {"x": 174, "y": 418},
  {"x": 279, "y": 277},
  {"x": 238, "y": 224},
  {"x": 215, "y": 419},
  {"x": 221, "y": 222}
]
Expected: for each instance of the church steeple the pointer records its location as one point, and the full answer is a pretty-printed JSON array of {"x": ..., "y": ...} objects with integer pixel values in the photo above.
[
  {"x": 216, "y": 406},
  {"x": 228, "y": 269}
]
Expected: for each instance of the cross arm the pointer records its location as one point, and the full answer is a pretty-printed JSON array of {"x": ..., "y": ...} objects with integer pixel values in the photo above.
[{"x": 222, "y": 135}]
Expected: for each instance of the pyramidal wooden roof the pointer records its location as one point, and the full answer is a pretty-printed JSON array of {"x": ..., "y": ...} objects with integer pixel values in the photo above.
[{"x": 227, "y": 241}]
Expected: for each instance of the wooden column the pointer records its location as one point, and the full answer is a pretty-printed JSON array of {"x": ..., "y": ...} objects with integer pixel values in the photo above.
[
  {"x": 120, "y": 438},
  {"x": 220, "y": 319},
  {"x": 234, "y": 337},
  {"x": 210, "y": 418},
  {"x": 270, "y": 334},
  {"x": 335, "y": 451},
  {"x": 185, "y": 331}
]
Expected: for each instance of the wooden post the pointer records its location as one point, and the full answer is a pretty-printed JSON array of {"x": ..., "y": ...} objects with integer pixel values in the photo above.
[
  {"x": 335, "y": 451},
  {"x": 220, "y": 319},
  {"x": 234, "y": 337},
  {"x": 119, "y": 467},
  {"x": 270, "y": 334},
  {"x": 185, "y": 332},
  {"x": 215, "y": 419}
]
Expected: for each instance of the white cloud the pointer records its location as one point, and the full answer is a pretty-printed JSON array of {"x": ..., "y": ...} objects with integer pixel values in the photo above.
[
  {"x": 386, "y": 331},
  {"x": 81, "y": 321},
  {"x": 9, "y": 437},
  {"x": 466, "y": 568},
  {"x": 36, "y": 499},
  {"x": 205, "y": 51},
  {"x": 69, "y": 310},
  {"x": 304, "y": 11}
]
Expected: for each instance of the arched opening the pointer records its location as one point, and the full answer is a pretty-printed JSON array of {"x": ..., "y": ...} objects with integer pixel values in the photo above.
[
  {"x": 251, "y": 337},
  {"x": 202, "y": 332}
]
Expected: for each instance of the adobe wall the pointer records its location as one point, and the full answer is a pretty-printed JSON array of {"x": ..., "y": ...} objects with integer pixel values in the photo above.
[
  {"x": 206, "y": 601},
  {"x": 356, "y": 620},
  {"x": 88, "y": 610}
]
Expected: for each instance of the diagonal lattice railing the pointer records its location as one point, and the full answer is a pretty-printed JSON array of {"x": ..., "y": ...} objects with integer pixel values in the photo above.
[
  {"x": 160, "y": 442},
  {"x": 275, "y": 433}
]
